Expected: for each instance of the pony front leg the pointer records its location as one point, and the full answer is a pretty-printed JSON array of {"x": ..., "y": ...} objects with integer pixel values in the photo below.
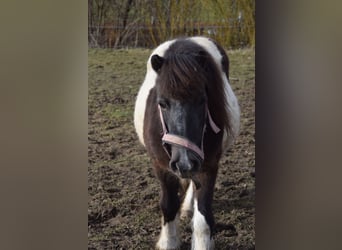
[
  {"x": 203, "y": 219},
  {"x": 169, "y": 204}
]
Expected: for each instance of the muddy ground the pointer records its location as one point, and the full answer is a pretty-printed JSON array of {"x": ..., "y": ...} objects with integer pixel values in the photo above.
[{"x": 123, "y": 193}]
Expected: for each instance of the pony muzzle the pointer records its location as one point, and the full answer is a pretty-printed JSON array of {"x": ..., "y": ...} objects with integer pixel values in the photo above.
[{"x": 184, "y": 162}]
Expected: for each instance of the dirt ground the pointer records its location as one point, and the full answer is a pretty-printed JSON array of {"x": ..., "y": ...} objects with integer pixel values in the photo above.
[{"x": 123, "y": 193}]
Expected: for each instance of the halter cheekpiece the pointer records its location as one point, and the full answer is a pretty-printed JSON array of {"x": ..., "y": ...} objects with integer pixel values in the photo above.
[{"x": 181, "y": 141}]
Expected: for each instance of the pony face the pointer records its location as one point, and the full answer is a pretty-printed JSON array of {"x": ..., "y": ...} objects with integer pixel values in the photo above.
[
  {"x": 182, "y": 101},
  {"x": 184, "y": 119}
]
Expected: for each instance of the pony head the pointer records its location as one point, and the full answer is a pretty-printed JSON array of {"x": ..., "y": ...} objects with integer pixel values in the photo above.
[{"x": 183, "y": 77}]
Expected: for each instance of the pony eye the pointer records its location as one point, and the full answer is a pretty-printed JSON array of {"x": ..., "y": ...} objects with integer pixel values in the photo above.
[{"x": 163, "y": 103}]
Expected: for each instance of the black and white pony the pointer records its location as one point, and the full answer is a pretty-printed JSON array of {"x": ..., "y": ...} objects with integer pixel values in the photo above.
[{"x": 186, "y": 115}]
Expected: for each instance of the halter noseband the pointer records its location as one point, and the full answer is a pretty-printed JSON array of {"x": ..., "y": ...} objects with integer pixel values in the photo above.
[{"x": 181, "y": 141}]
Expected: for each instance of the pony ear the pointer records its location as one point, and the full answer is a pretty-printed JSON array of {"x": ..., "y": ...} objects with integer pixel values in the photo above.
[{"x": 157, "y": 62}]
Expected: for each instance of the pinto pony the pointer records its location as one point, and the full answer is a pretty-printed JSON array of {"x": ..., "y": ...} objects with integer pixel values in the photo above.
[{"x": 186, "y": 115}]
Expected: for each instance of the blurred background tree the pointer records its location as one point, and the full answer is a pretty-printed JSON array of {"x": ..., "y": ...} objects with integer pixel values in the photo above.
[{"x": 147, "y": 23}]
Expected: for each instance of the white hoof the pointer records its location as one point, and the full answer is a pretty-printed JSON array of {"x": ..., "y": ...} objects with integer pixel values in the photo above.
[
  {"x": 172, "y": 243},
  {"x": 169, "y": 239},
  {"x": 203, "y": 244}
]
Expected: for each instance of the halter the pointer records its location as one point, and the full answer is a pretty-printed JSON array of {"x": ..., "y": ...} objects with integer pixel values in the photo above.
[{"x": 181, "y": 141}]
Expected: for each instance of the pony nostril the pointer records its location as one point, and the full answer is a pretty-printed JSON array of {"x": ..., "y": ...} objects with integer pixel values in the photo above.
[{"x": 173, "y": 165}]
